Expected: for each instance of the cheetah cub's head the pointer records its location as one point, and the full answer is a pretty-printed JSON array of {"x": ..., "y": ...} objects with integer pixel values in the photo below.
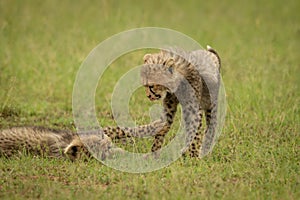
[
  {"x": 89, "y": 146},
  {"x": 158, "y": 76}
]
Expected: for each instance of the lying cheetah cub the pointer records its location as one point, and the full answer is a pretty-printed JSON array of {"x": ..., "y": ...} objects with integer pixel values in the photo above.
[{"x": 45, "y": 142}]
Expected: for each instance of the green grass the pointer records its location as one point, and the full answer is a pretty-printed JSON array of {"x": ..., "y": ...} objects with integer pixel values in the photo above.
[{"x": 43, "y": 43}]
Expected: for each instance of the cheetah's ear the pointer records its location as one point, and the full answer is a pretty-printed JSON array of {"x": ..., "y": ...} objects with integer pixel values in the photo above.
[
  {"x": 146, "y": 57},
  {"x": 71, "y": 151},
  {"x": 170, "y": 63},
  {"x": 74, "y": 149}
]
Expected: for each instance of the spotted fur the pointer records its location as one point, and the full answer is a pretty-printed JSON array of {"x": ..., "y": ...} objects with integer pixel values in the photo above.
[
  {"x": 39, "y": 141},
  {"x": 172, "y": 73}
]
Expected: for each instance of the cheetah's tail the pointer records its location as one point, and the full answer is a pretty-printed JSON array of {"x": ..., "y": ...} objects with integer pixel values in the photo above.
[{"x": 210, "y": 49}]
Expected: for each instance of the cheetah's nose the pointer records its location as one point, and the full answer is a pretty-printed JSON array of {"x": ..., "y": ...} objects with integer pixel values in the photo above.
[{"x": 151, "y": 98}]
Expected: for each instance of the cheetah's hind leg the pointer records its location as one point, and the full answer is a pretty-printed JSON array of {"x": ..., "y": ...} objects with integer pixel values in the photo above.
[{"x": 210, "y": 133}]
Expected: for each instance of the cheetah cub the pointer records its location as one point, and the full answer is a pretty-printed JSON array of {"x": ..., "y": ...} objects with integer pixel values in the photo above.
[
  {"x": 191, "y": 79},
  {"x": 45, "y": 142}
]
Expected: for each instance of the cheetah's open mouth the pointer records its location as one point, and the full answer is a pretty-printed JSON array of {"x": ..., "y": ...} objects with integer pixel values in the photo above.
[{"x": 157, "y": 97}]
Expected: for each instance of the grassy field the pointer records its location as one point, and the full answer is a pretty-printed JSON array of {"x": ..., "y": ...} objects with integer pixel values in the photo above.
[{"x": 43, "y": 43}]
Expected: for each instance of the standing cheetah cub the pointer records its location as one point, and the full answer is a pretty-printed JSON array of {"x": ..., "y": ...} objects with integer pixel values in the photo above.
[{"x": 165, "y": 75}]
